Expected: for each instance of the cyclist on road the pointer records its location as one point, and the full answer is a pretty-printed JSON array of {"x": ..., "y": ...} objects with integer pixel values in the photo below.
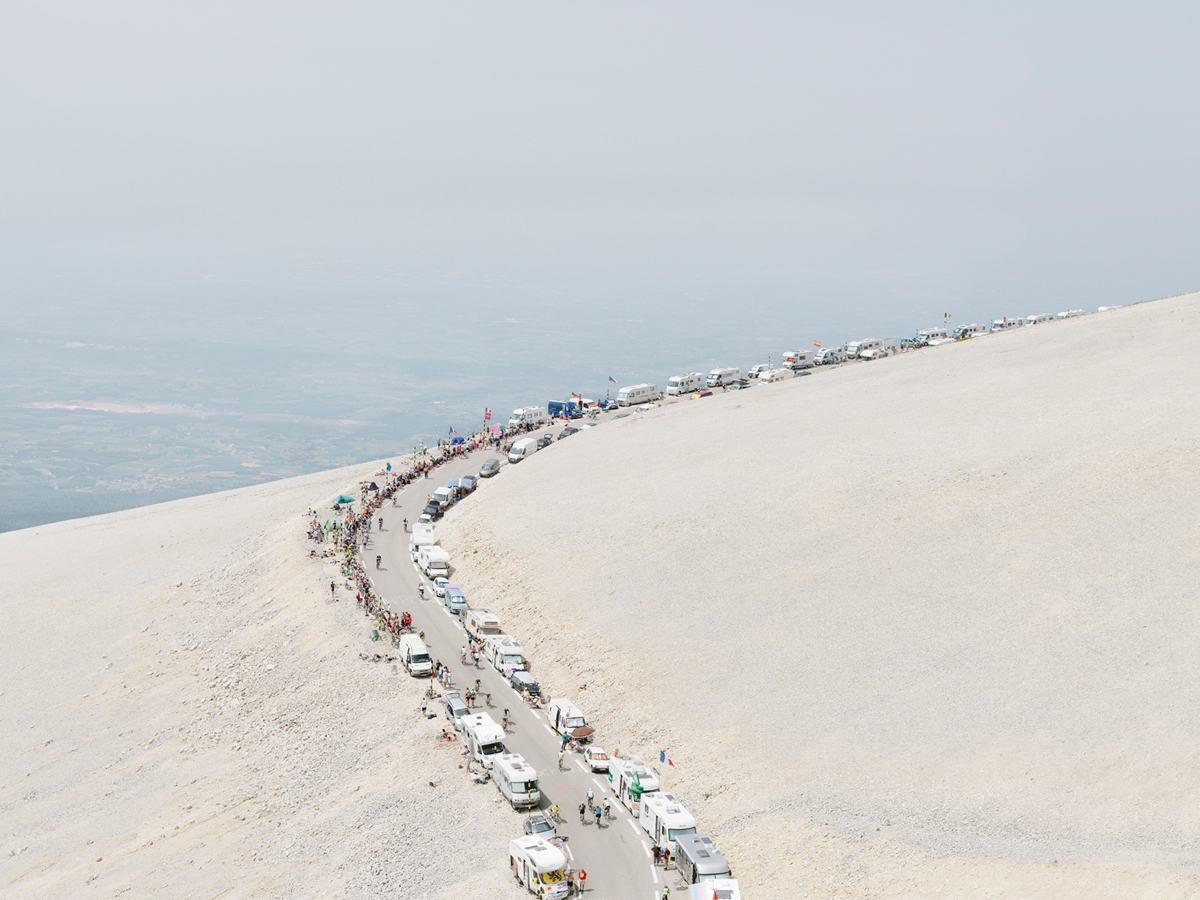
[
  {"x": 378, "y": 560},
  {"x": 560, "y": 760},
  {"x": 590, "y": 795},
  {"x": 607, "y": 809},
  {"x": 597, "y": 816}
]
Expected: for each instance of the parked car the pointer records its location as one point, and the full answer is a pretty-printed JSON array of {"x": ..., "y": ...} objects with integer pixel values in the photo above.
[
  {"x": 567, "y": 432},
  {"x": 432, "y": 510},
  {"x": 489, "y": 468},
  {"x": 455, "y": 709},
  {"x": 439, "y": 586},
  {"x": 425, "y": 519},
  {"x": 702, "y": 394},
  {"x": 545, "y": 441},
  {"x": 537, "y": 825},
  {"x": 620, "y": 416},
  {"x": 610, "y": 404},
  {"x": 596, "y": 758},
  {"x": 522, "y": 680},
  {"x": 740, "y": 385}
]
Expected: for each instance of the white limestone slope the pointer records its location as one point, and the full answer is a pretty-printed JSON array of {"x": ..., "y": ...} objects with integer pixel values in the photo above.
[{"x": 923, "y": 624}]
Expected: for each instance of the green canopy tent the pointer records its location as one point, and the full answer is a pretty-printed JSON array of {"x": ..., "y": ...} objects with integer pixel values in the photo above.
[{"x": 342, "y": 498}]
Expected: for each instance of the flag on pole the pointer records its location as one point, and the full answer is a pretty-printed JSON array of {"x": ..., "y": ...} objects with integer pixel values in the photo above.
[
  {"x": 662, "y": 758},
  {"x": 389, "y": 468},
  {"x": 452, "y": 431},
  {"x": 816, "y": 343},
  {"x": 613, "y": 380},
  {"x": 578, "y": 397},
  {"x": 487, "y": 415}
]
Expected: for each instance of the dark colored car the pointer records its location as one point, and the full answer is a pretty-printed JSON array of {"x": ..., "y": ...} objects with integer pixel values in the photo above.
[
  {"x": 621, "y": 416},
  {"x": 544, "y": 441},
  {"x": 566, "y": 432},
  {"x": 433, "y": 511},
  {"x": 520, "y": 680},
  {"x": 489, "y": 468}
]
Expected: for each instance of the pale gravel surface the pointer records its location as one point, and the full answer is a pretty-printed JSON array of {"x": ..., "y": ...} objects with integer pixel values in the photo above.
[
  {"x": 924, "y": 625},
  {"x": 183, "y": 713}
]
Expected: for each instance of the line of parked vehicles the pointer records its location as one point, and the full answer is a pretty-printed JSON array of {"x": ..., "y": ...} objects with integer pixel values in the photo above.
[{"x": 536, "y": 862}]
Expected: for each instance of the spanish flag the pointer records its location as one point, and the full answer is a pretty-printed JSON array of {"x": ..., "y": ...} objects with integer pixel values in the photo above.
[{"x": 816, "y": 343}]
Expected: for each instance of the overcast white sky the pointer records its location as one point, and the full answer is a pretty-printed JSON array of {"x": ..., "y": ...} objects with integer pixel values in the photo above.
[{"x": 884, "y": 154}]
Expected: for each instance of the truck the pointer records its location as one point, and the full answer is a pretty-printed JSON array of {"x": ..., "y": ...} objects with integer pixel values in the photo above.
[
  {"x": 722, "y": 376},
  {"x": 433, "y": 561},
  {"x": 684, "y": 384},
  {"x": 527, "y": 415},
  {"x": 567, "y": 718},
  {"x": 503, "y": 653},
  {"x": 422, "y": 536},
  {"x": 637, "y": 393},
  {"x": 517, "y": 780},
  {"x": 480, "y": 624},
  {"x": 456, "y": 600},
  {"x": 629, "y": 778},
  {"x": 522, "y": 449},
  {"x": 698, "y": 859},
  {"x": 415, "y": 656},
  {"x": 484, "y": 739},
  {"x": 664, "y": 818},
  {"x": 798, "y": 359},
  {"x": 538, "y": 866}
]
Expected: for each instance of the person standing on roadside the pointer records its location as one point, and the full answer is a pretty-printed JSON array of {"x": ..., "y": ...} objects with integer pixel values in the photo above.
[{"x": 424, "y": 706}]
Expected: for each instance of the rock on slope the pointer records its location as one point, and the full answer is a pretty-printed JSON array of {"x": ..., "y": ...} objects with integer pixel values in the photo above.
[
  {"x": 927, "y": 624},
  {"x": 183, "y": 713}
]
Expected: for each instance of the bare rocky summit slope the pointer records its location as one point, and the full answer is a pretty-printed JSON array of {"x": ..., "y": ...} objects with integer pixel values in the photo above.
[{"x": 922, "y": 625}]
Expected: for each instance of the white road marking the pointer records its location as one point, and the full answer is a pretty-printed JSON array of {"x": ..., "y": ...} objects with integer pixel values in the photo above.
[
  {"x": 547, "y": 727},
  {"x": 634, "y": 825},
  {"x": 646, "y": 847},
  {"x": 599, "y": 783},
  {"x": 536, "y": 715},
  {"x": 582, "y": 767},
  {"x": 654, "y": 872},
  {"x": 567, "y": 849}
]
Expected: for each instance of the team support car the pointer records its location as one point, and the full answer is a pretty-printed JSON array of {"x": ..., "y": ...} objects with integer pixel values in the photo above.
[
  {"x": 521, "y": 681},
  {"x": 596, "y": 758},
  {"x": 455, "y": 709},
  {"x": 537, "y": 825}
]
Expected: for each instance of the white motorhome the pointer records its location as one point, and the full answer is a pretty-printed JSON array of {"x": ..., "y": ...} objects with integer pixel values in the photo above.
[
  {"x": 683, "y": 384},
  {"x": 480, "y": 623},
  {"x": 484, "y": 739},
  {"x": 714, "y": 890},
  {"x": 637, "y": 393},
  {"x": 1007, "y": 324},
  {"x": 829, "y": 355},
  {"x": 773, "y": 375},
  {"x": 433, "y": 561},
  {"x": 503, "y": 653},
  {"x": 566, "y": 718},
  {"x": 422, "y": 536},
  {"x": 887, "y": 347},
  {"x": 629, "y": 778},
  {"x": 517, "y": 780},
  {"x": 539, "y": 866},
  {"x": 719, "y": 377},
  {"x": 969, "y": 331},
  {"x": 798, "y": 359},
  {"x": 1072, "y": 313},
  {"x": 664, "y": 818},
  {"x": 528, "y": 415},
  {"x": 854, "y": 349},
  {"x": 522, "y": 449},
  {"x": 698, "y": 859},
  {"x": 415, "y": 656},
  {"x": 1038, "y": 319},
  {"x": 931, "y": 337}
]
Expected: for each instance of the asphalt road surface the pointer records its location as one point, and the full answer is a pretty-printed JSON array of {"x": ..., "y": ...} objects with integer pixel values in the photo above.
[{"x": 616, "y": 854}]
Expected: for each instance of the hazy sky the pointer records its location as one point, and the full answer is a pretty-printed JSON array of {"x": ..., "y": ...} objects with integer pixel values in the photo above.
[{"x": 886, "y": 156}]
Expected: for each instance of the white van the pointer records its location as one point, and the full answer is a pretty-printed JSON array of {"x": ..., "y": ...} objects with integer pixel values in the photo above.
[
  {"x": 528, "y": 415},
  {"x": 565, "y": 717},
  {"x": 719, "y": 377},
  {"x": 441, "y": 497},
  {"x": 480, "y": 623},
  {"x": 664, "y": 818},
  {"x": 684, "y": 384},
  {"x": 415, "y": 656},
  {"x": 773, "y": 375},
  {"x": 1039, "y": 319},
  {"x": 433, "y": 561},
  {"x": 621, "y": 770},
  {"x": 484, "y": 739},
  {"x": 521, "y": 449},
  {"x": 962, "y": 332},
  {"x": 517, "y": 780},
  {"x": 637, "y": 393},
  {"x": 755, "y": 371},
  {"x": 1006, "y": 324},
  {"x": 503, "y": 653},
  {"x": 539, "y": 866},
  {"x": 798, "y": 359}
]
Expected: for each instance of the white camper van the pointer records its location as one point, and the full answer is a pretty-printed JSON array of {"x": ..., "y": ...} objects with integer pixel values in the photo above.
[
  {"x": 798, "y": 359},
  {"x": 480, "y": 623},
  {"x": 522, "y": 449},
  {"x": 755, "y": 371},
  {"x": 483, "y": 738},
  {"x": 969, "y": 331},
  {"x": 855, "y": 349},
  {"x": 829, "y": 355},
  {"x": 503, "y": 652},
  {"x": 1072, "y": 313},
  {"x": 629, "y": 778},
  {"x": 433, "y": 561},
  {"x": 415, "y": 656},
  {"x": 1006, "y": 324},
  {"x": 931, "y": 337},
  {"x": 517, "y": 780},
  {"x": 422, "y": 536},
  {"x": 1039, "y": 319},
  {"x": 567, "y": 718},
  {"x": 698, "y": 859},
  {"x": 773, "y": 375},
  {"x": 637, "y": 393},
  {"x": 664, "y": 818},
  {"x": 719, "y": 377},
  {"x": 539, "y": 866},
  {"x": 528, "y": 415},
  {"x": 684, "y": 384}
]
